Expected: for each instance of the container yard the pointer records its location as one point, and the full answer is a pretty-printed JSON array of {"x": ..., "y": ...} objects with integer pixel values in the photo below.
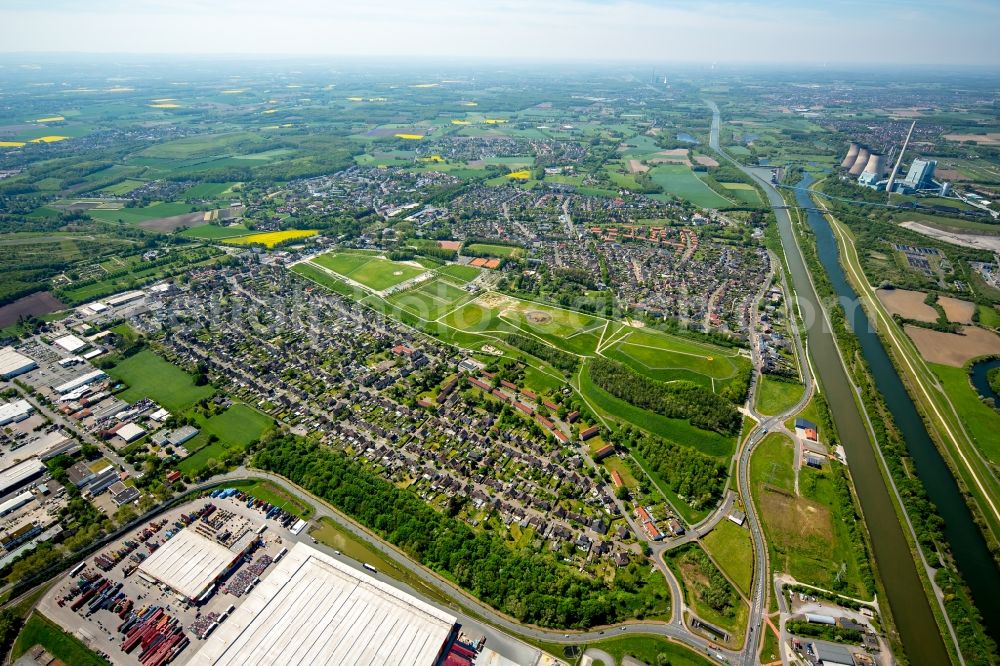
[{"x": 159, "y": 593}]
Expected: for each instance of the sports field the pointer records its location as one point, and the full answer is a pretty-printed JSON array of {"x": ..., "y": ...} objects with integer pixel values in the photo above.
[
  {"x": 495, "y": 250},
  {"x": 376, "y": 273}
]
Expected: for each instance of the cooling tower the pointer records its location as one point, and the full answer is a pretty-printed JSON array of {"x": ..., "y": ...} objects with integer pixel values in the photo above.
[
  {"x": 852, "y": 154},
  {"x": 876, "y": 165},
  {"x": 860, "y": 162}
]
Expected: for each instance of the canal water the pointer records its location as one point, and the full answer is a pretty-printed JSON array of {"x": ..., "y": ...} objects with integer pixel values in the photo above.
[
  {"x": 979, "y": 372},
  {"x": 968, "y": 546}
]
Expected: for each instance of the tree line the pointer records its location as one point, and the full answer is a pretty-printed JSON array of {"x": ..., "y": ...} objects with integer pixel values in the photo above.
[
  {"x": 676, "y": 400},
  {"x": 557, "y": 358},
  {"x": 530, "y": 586}
]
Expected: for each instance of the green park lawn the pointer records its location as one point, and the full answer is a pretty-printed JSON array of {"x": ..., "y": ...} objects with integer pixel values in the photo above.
[
  {"x": 149, "y": 375},
  {"x": 775, "y": 395}
]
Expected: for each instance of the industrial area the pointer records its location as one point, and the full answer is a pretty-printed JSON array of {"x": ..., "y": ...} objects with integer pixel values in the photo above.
[{"x": 231, "y": 579}]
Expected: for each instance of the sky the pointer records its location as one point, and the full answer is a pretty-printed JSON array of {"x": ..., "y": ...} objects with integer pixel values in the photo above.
[{"x": 865, "y": 32}]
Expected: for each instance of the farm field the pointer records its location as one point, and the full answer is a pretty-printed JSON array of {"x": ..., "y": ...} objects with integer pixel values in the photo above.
[
  {"x": 680, "y": 181},
  {"x": 271, "y": 238},
  {"x": 149, "y": 375},
  {"x": 209, "y": 190},
  {"x": 953, "y": 349},
  {"x": 907, "y": 304},
  {"x": 376, "y": 273},
  {"x": 136, "y": 215},
  {"x": 215, "y": 232},
  {"x": 742, "y": 192}
]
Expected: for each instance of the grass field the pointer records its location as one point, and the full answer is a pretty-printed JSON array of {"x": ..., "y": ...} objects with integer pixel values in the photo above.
[
  {"x": 775, "y": 395},
  {"x": 981, "y": 421},
  {"x": 742, "y": 192},
  {"x": 669, "y": 358},
  {"x": 149, "y": 375},
  {"x": 376, "y": 273},
  {"x": 215, "y": 232},
  {"x": 276, "y": 495},
  {"x": 124, "y": 187},
  {"x": 730, "y": 546},
  {"x": 648, "y": 649},
  {"x": 496, "y": 250},
  {"x": 39, "y": 630},
  {"x": 463, "y": 273},
  {"x": 272, "y": 238},
  {"x": 208, "y": 190},
  {"x": 694, "y": 578},
  {"x": 235, "y": 428},
  {"x": 679, "y": 180}
]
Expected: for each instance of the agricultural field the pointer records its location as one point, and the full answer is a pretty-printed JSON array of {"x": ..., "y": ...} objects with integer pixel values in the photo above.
[
  {"x": 271, "y": 238},
  {"x": 680, "y": 181},
  {"x": 216, "y": 232},
  {"x": 136, "y": 215}
]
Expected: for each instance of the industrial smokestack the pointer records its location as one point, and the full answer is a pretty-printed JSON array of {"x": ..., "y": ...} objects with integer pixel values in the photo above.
[
  {"x": 876, "y": 165},
  {"x": 899, "y": 160},
  {"x": 852, "y": 154},
  {"x": 860, "y": 161}
]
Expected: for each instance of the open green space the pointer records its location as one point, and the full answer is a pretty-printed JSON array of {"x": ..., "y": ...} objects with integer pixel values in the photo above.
[
  {"x": 236, "y": 428},
  {"x": 39, "y": 630},
  {"x": 707, "y": 592},
  {"x": 981, "y": 421},
  {"x": 276, "y": 495},
  {"x": 652, "y": 650},
  {"x": 124, "y": 187},
  {"x": 461, "y": 272},
  {"x": 495, "y": 250},
  {"x": 680, "y": 181},
  {"x": 730, "y": 546},
  {"x": 149, "y": 375},
  {"x": 373, "y": 272},
  {"x": 776, "y": 395},
  {"x": 668, "y": 358},
  {"x": 208, "y": 190}
]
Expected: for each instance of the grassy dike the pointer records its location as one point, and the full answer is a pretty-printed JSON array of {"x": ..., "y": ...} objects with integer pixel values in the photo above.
[{"x": 892, "y": 454}]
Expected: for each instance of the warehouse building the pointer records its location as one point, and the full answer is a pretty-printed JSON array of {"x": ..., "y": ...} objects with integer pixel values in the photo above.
[
  {"x": 20, "y": 475},
  {"x": 82, "y": 380},
  {"x": 13, "y": 363},
  {"x": 14, "y": 412},
  {"x": 71, "y": 343},
  {"x": 191, "y": 564},
  {"x": 313, "y": 609}
]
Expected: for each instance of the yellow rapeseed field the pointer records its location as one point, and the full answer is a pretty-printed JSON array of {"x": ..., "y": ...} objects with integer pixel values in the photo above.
[
  {"x": 460, "y": 122},
  {"x": 432, "y": 158},
  {"x": 11, "y": 144},
  {"x": 519, "y": 175},
  {"x": 494, "y": 121},
  {"x": 165, "y": 105},
  {"x": 410, "y": 137},
  {"x": 271, "y": 238},
  {"x": 49, "y": 139},
  {"x": 50, "y": 119}
]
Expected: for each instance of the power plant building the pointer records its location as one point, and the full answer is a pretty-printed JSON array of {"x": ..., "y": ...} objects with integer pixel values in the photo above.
[{"x": 919, "y": 177}]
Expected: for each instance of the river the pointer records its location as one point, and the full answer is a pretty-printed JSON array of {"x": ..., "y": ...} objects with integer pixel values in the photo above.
[{"x": 969, "y": 547}]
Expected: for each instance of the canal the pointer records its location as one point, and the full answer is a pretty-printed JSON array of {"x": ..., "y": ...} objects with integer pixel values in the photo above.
[{"x": 968, "y": 546}]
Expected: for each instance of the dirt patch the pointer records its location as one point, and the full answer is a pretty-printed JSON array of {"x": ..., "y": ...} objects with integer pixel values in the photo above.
[
  {"x": 907, "y": 304},
  {"x": 450, "y": 245},
  {"x": 977, "y": 241},
  {"x": 956, "y": 310},
  {"x": 705, "y": 160},
  {"x": 795, "y": 521},
  {"x": 990, "y": 139},
  {"x": 949, "y": 174},
  {"x": 538, "y": 317},
  {"x": 635, "y": 166},
  {"x": 495, "y": 301},
  {"x": 952, "y": 348},
  {"x": 166, "y": 225},
  {"x": 39, "y": 303}
]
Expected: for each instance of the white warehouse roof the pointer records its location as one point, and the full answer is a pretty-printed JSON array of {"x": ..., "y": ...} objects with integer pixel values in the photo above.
[
  {"x": 20, "y": 474},
  {"x": 130, "y": 432},
  {"x": 70, "y": 343},
  {"x": 315, "y": 610},
  {"x": 82, "y": 380},
  {"x": 13, "y": 363},
  {"x": 188, "y": 563},
  {"x": 15, "y": 411}
]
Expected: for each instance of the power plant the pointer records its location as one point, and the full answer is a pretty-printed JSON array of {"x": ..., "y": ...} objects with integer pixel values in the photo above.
[
  {"x": 860, "y": 161},
  {"x": 871, "y": 167}
]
